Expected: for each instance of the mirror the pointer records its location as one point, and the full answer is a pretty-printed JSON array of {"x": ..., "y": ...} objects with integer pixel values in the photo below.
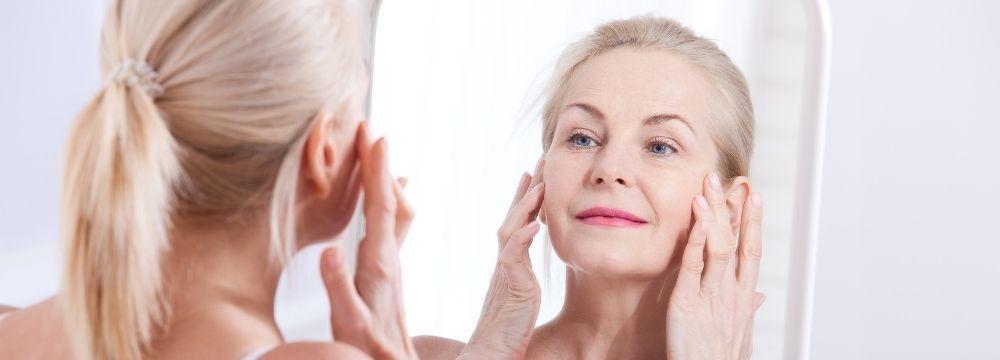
[{"x": 455, "y": 90}]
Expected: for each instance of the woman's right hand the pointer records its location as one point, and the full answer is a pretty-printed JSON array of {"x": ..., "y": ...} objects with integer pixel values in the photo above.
[
  {"x": 512, "y": 303},
  {"x": 366, "y": 310}
]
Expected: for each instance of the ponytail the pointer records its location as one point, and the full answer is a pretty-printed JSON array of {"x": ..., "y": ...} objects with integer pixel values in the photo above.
[{"x": 121, "y": 166}]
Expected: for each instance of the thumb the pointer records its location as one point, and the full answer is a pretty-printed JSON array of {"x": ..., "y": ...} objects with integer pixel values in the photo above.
[
  {"x": 514, "y": 259},
  {"x": 349, "y": 316}
]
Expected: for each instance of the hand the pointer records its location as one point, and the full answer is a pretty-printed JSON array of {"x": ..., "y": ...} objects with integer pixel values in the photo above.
[
  {"x": 367, "y": 310},
  {"x": 512, "y": 302},
  {"x": 711, "y": 310}
]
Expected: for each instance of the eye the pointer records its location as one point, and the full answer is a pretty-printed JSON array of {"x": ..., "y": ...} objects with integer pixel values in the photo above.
[
  {"x": 582, "y": 141},
  {"x": 660, "y": 148}
]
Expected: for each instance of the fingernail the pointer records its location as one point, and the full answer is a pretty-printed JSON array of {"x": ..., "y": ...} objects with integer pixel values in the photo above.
[
  {"x": 713, "y": 179},
  {"x": 402, "y": 181},
  {"x": 702, "y": 203},
  {"x": 755, "y": 199},
  {"x": 537, "y": 186}
]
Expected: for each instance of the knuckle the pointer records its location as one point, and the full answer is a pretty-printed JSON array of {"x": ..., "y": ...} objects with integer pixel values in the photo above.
[
  {"x": 503, "y": 233},
  {"x": 752, "y": 252},
  {"x": 357, "y": 325},
  {"x": 694, "y": 266},
  {"x": 381, "y": 209},
  {"x": 379, "y": 271},
  {"x": 720, "y": 255},
  {"x": 731, "y": 244},
  {"x": 510, "y": 258}
]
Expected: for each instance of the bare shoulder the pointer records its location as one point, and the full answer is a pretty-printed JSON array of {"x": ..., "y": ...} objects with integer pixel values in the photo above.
[
  {"x": 315, "y": 350},
  {"x": 435, "y": 347},
  {"x": 5, "y": 308},
  {"x": 34, "y": 332}
]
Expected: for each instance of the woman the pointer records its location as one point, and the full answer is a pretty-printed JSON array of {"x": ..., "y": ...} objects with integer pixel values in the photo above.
[
  {"x": 647, "y": 137},
  {"x": 229, "y": 135}
]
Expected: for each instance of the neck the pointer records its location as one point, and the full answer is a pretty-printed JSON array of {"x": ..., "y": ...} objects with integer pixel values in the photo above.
[
  {"x": 221, "y": 265},
  {"x": 606, "y": 317}
]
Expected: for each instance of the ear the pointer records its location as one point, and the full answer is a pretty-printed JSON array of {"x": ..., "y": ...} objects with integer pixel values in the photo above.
[
  {"x": 736, "y": 196},
  {"x": 318, "y": 155}
]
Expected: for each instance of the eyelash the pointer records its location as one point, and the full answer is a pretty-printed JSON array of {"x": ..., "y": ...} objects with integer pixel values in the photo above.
[
  {"x": 577, "y": 134},
  {"x": 660, "y": 141}
]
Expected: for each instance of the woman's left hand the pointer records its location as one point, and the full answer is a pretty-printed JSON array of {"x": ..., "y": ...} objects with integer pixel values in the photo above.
[{"x": 711, "y": 310}]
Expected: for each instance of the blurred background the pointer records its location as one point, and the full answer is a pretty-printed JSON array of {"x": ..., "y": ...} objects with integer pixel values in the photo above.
[{"x": 906, "y": 234}]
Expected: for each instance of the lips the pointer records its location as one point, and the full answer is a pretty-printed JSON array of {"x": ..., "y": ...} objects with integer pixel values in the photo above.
[{"x": 610, "y": 217}]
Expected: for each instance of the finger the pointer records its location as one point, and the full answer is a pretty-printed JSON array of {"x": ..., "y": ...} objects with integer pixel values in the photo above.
[
  {"x": 751, "y": 247},
  {"x": 404, "y": 211},
  {"x": 693, "y": 260},
  {"x": 380, "y": 208},
  {"x": 349, "y": 316},
  {"x": 721, "y": 247},
  {"x": 532, "y": 181},
  {"x": 380, "y": 201},
  {"x": 759, "y": 300},
  {"x": 716, "y": 197},
  {"x": 538, "y": 177},
  {"x": 520, "y": 214},
  {"x": 363, "y": 142},
  {"x": 514, "y": 257},
  {"x": 522, "y": 188}
]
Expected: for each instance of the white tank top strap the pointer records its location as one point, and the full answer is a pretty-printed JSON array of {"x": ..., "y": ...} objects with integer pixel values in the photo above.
[{"x": 257, "y": 353}]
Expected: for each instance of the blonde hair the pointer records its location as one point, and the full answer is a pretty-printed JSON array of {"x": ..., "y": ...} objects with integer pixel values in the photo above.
[
  {"x": 732, "y": 120},
  {"x": 211, "y": 125}
]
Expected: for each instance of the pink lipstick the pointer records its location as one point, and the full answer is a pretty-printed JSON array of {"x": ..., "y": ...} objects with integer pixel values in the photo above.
[{"x": 603, "y": 216}]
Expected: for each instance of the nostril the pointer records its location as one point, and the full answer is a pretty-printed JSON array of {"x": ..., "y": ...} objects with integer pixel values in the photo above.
[
  {"x": 600, "y": 181},
  {"x": 620, "y": 181}
]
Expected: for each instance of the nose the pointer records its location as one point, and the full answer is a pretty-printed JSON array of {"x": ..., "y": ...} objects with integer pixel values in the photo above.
[{"x": 611, "y": 168}]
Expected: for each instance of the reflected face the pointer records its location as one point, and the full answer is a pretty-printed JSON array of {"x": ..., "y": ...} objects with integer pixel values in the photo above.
[{"x": 630, "y": 151}]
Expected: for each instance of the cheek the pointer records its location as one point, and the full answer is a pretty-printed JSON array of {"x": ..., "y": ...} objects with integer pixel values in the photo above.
[
  {"x": 564, "y": 174},
  {"x": 671, "y": 198}
]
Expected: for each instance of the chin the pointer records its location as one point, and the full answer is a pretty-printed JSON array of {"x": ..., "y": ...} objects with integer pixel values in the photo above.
[{"x": 633, "y": 253}]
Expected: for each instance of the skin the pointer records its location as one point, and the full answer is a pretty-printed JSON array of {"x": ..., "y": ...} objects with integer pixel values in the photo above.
[
  {"x": 220, "y": 282},
  {"x": 633, "y": 134}
]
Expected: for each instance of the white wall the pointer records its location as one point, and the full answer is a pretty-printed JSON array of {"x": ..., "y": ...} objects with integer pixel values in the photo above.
[
  {"x": 908, "y": 244},
  {"x": 48, "y": 70}
]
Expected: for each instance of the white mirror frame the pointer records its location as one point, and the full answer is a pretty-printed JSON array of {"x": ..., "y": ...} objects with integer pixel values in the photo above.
[{"x": 805, "y": 223}]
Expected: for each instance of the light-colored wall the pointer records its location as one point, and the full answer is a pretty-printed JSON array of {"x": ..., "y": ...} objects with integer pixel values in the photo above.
[
  {"x": 48, "y": 70},
  {"x": 908, "y": 238}
]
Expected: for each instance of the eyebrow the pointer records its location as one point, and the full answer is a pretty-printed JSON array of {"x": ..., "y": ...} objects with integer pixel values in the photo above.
[{"x": 652, "y": 120}]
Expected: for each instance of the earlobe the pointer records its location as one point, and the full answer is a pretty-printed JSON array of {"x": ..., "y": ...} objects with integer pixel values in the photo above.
[
  {"x": 318, "y": 155},
  {"x": 736, "y": 196}
]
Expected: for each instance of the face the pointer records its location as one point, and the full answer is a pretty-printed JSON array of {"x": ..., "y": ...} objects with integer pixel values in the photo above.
[{"x": 630, "y": 151}]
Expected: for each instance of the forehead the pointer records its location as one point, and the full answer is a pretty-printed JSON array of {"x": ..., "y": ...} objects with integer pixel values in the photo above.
[{"x": 628, "y": 83}]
